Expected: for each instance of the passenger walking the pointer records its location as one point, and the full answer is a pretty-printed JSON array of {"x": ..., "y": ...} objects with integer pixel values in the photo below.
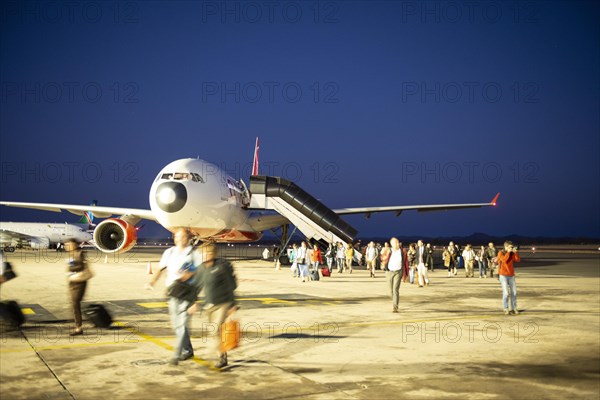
[
  {"x": 292, "y": 256},
  {"x": 371, "y": 258},
  {"x": 491, "y": 258},
  {"x": 412, "y": 263},
  {"x": 217, "y": 279},
  {"x": 453, "y": 255},
  {"x": 340, "y": 257},
  {"x": 303, "y": 261},
  {"x": 446, "y": 257},
  {"x": 330, "y": 256},
  {"x": 468, "y": 256},
  {"x": 506, "y": 273},
  {"x": 421, "y": 256},
  {"x": 397, "y": 265},
  {"x": 316, "y": 257},
  {"x": 480, "y": 257},
  {"x": 429, "y": 257},
  {"x": 180, "y": 262},
  {"x": 77, "y": 287},
  {"x": 384, "y": 257},
  {"x": 349, "y": 256}
]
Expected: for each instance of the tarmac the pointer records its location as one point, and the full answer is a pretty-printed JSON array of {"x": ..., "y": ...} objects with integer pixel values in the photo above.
[{"x": 330, "y": 339}]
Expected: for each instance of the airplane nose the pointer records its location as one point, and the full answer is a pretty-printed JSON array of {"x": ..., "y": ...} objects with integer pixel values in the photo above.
[{"x": 171, "y": 196}]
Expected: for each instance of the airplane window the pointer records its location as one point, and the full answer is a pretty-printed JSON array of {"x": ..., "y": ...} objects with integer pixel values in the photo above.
[
  {"x": 166, "y": 176},
  {"x": 180, "y": 176},
  {"x": 197, "y": 178}
]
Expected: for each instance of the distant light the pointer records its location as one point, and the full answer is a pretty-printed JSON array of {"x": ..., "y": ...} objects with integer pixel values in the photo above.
[{"x": 533, "y": 249}]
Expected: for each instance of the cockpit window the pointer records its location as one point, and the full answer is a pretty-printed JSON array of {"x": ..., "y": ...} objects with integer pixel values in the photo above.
[{"x": 183, "y": 176}]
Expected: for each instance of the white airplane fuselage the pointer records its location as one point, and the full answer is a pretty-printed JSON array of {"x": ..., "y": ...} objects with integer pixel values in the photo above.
[
  {"x": 199, "y": 196},
  {"x": 41, "y": 234}
]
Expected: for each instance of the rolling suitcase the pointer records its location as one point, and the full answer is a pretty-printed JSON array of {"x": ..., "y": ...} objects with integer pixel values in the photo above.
[
  {"x": 11, "y": 313},
  {"x": 314, "y": 275},
  {"x": 98, "y": 315},
  {"x": 325, "y": 272}
]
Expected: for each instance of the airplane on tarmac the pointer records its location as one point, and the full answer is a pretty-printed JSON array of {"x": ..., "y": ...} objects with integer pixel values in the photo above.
[
  {"x": 198, "y": 195},
  {"x": 39, "y": 235}
]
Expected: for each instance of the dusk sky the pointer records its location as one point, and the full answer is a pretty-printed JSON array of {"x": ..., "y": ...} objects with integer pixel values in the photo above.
[{"x": 360, "y": 103}]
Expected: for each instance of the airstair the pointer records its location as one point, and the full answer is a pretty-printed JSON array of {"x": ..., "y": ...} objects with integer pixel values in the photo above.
[{"x": 315, "y": 220}]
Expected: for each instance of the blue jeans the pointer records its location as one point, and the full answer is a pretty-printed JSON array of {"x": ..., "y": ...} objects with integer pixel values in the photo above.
[
  {"x": 303, "y": 270},
  {"x": 482, "y": 269},
  {"x": 411, "y": 274},
  {"x": 508, "y": 282},
  {"x": 180, "y": 320}
]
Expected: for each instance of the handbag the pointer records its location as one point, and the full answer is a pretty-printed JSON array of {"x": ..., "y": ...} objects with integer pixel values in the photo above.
[
  {"x": 81, "y": 276},
  {"x": 179, "y": 290},
  {"x": 300, "y": 261},
  {"x": 230, "y": 335}
]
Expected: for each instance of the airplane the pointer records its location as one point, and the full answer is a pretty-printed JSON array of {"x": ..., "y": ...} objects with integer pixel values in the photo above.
[
  {"x": 197, "y": 195},
  {"x": 38, "y": 235}
]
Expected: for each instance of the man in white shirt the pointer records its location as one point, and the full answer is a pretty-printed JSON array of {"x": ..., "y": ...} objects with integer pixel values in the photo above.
[
  {"x": 180, "y": 262},
  {"x": 396, "y": 269},
  {"x": 371, "y": 257}
]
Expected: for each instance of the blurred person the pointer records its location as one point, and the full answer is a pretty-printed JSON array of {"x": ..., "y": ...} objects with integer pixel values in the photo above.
[
  {"x": 349, "y": 256},
  {"x": 316, "y": 257},
  {"x": 446, "y": 256},
  {"x": 506, "y": 273},
  {"x": 303, "y": 261},
  {"x": 292, "y": 257},
  {"x": 481, "y": 263},
  {"x": 384, "y": 256},
  {"x": 397, "y": 265},
  {"x": 180, "y": 263},
  {"x": 412, "y": 263},
  {"x": 421, "y": 257},
  {"x": 217, "y": 279},
  {"x": 452, "y": 248},
  {"x": 76, "y": 265},
  {"x": 429, "y": 257},
  {"x": 371, "y": 258},
  {"x": 340, "y": 257},
  {"x": 491, "y": 258},
  {"x": 330, "y": 256},
  {"x": 468, "y": 256}
]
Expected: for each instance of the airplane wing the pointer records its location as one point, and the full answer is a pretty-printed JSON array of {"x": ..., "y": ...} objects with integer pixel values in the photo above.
[
  {"x": 420, "y": 208},
  {"x": 8, "y": 237},
  {"x": 265, "y": 222},
  {"x": 131, "y": 215}
]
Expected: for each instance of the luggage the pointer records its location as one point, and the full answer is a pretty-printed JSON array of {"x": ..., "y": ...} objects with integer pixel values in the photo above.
[
  {"x": 230, "y": 336},
  {"x": 98, "y": 315},
  {"x": 314, "y": 275},
  {"x": 325, "y": 272},
  {"x": 11, "y": 313}
]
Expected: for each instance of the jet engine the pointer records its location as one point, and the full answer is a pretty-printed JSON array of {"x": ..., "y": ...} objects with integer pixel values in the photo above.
[{"x": 114, "y": 235}]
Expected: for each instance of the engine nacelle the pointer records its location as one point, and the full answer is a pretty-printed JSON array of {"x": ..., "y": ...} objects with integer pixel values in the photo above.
[
  {"x": 39, "y": 243},
  {"x": 114, "y": 235}
]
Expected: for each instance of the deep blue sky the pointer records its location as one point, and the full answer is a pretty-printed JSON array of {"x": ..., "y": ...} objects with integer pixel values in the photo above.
[{"x": 352, "y": 100}]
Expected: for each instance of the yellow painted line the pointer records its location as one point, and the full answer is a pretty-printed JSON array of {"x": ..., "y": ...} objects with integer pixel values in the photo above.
[
  {"x": 164, "y": 345},
  {"x": 268, "y": 300},
  {"x": 159, "y": 304},
  {"x": 27, "y": 311},
  {"x": 59, "y": 347}
]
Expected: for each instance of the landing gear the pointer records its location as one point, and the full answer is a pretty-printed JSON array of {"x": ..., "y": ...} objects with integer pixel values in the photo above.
[{"x": 9, "y": 249}]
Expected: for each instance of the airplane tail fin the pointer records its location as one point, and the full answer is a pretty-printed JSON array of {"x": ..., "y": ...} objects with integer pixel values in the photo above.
[
  {"x": 88, "y": 217},
  {"x": 255, "y": 162}
]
